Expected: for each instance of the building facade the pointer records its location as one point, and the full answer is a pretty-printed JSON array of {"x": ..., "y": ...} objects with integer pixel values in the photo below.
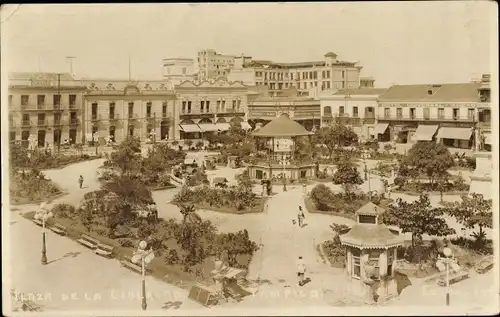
[
  {"x": 177, "y": 70},
  {"x": 356, "y": 107},
  {"x": 327, "y": 74},
  {"x": 457, "y": 115},
  {"x": 46, "y": 106},
  {"x": 213, "y": 65}
]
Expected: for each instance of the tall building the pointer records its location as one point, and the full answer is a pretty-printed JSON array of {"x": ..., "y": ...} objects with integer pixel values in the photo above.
[
  {"x": 213, "y": 65},
  {"x": 457, "y": 115},
  {"x": 177, "y": 70},
  {"x": 307, "y": 77},
  {"x": 47, "y": 106}
]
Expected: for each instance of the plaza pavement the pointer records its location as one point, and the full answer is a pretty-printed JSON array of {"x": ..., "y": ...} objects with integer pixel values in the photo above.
[{"x": 77, "y": 270}]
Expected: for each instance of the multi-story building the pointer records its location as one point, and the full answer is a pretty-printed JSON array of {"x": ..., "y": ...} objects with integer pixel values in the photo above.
[
  {"x": 354, "y": 107},
  {"x": 304, "y": 110},
  {"x": 210, "y": 107},
  {"x": 213, "y": 65},
  {"x": 458, "y": 115},
  {"x": 46, "y": 106},
  {"x": 116, "y": 109},
  {"x": 177, "y": 70},
  {"x": 327, "y": 74}
]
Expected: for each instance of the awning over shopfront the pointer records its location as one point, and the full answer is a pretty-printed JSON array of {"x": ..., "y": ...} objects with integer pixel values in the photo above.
[
  {"x": 189, "y": 127},
  {"x": 223, "y": 126},
  {"x": 380, "y": 128},
  {"x": 487, "y": 139},
  {"x": 207, "y": 127},
  {"x": 245, "y": 125},
  {"x": 425, "y": 132},
  {"x": 454, "y": 133}
]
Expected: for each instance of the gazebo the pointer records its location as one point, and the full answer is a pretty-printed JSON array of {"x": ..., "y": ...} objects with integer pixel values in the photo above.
[
  {"x": 280, "y": 136},
  {"x": 371, "y": 254}
]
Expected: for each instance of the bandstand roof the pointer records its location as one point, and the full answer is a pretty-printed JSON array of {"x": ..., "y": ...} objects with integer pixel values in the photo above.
[{"x": 282, "y": 126}]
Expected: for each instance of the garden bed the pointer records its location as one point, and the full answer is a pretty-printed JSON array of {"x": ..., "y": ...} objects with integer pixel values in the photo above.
[
  {"x": 312, "y": 209},
  {"x": 31, "y": 191},
  {"x": 259, "y": 207},
  {"x": 415, "y": 193}
]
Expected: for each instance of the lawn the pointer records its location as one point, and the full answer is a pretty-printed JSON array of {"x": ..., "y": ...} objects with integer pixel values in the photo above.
[{"x": 32, "y": 190}]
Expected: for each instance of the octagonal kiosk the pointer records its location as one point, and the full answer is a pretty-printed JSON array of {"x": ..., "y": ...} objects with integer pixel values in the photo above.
[
  {"x": 371, "y": 251},
  {"x": 280, "y": 135}
]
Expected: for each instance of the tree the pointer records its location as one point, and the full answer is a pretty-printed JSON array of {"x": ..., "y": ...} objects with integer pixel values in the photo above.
[
  {"x": 125, "y": 157},
  {"x": 418, "y": 218},
  {"x": 18, "y": 156},
  {"x": 322, "y": 196},
  {"x": 335, "y": 137},
  {"x": 348, "y": 176},
  {"x": 428, "y": 158},
  {"x": 473, "y": 211},
  {"x": 189, "y": 214},
  {"x": 236, "y": 132},
  {"x": 234, "y": 244}
]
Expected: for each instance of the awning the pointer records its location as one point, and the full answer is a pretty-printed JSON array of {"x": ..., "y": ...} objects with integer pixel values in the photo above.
[
  {"x": 380, "y": 128},
  {"x": 189, "y": 127},
  {"x": 487, "y": 139},
  {"x": 207, "y": 127},
  {"x": 245, "y": 125},
  {"x": 425, "y": 132},
  {"x": 454, "y": 133},
  {"x": 223, "y": 126}
]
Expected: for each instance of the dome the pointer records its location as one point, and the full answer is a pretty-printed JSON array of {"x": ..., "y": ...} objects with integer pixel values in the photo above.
[
  {"x": 282, "y": 126},
  {"x": 330, "y": 54}
]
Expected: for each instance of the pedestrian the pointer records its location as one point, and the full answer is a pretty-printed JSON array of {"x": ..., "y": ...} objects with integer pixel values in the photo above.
[
  {"x": 301, "y": 270},
  {"x": 300, "y": 217},
  {"x": 80, "y": 181}
]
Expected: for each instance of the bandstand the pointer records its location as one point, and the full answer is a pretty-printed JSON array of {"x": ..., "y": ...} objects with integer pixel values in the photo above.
[
  {"x": 371, "y": 254},
  {"x": 280, "y": 135}
]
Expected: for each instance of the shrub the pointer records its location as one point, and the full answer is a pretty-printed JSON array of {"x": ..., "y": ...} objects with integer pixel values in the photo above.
[
  {"x": 172, "y": 257},
  {"x": 63, "y": 210},
  {"x": 126, "y": 243},
  {"x": 322, "y": 196}
]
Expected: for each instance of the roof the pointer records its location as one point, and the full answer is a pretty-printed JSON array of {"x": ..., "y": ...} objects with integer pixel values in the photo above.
[
  {"x": 330, "y": 54},
  {"x": 370, "y": 209},
  {"x": 40, "y": 76},
  {"x": 462, "y": 92},
  {"x": 281, "y": 126},
  {"x": 371, "y": 236},
  {"x": 361, "y": 91}
]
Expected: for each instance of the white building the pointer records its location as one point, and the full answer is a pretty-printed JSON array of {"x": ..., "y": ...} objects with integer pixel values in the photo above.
[
  {"x": 177, "y": 70},
  {"x": 213, "y": 65},
  {"x": 354, "y": 107}
]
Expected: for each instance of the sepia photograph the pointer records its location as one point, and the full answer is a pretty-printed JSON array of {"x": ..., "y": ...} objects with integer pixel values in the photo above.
[{"x": 286, "y": 158}]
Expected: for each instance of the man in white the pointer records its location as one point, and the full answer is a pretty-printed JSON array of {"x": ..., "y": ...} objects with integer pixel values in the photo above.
[{"x": 301, "y": 270}]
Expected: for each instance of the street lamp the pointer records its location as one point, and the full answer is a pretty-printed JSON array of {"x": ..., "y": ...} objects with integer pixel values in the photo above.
[
  {"x": 284, "y": 162},
  {"x": 448, "y": 260},
  {"x": 144, "y": 257},
  {"x": 365, "y": 156},
  {"x": 43, "y": 214},
  {"x": 96, "y": 141}
]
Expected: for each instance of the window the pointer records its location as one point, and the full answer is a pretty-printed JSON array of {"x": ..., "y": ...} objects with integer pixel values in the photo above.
[
  {"x": 341, "y": 110},
  {"x": 208, "y": 105},
  {"x": 412, "y": 113},
  {"x": 323, "y": 74},
  {"x": 305, "y": 85},
  {"x": 40, "y": 100},
  {"x": 238, "y": 106},
  {"x": 327, "y": 74},
  {"x": 57, "y": 118},
  {"x": 189, "y": 106},
  {"x": 25, "y": 100},
  {"x": 130, "y": 110},
  {"x": 148, "y": 109},
  {"x": 183, "y": 70},
  {"x": 356, "y": 262},
  {"x": 354, "y": 111},
  {"x": 441, "y": 113},
  {"x": 343, "y": 85},
  {"x": 183, "y": 107},
  {"x": 41, "y": 119},
  {"x": 387, "y": 112},
  {"x": 72, "y": 100},
  {"x": 94, "y": 110},
  {"x": 164, "y": 109},
  {"x": 373, "y": 258},
  {"x": 202, "y": 106},
  {"x": 56, "y": 100},
  {"x": 390, "y": 260},
  {"x": 343, "y": 74},
  {"x": 223, "y": 108},
  {"x": 470, "y": 113},
  {"x": 111, "y": 110},
  {"x": 328, "y": 85},
  {"x": 427, "y": 113},
  {"x": 26, "y": 119},
  {"x": 456, "y": 113},
  {"x": 218, "y": 106},
  {"x": 399, "y": 113}
]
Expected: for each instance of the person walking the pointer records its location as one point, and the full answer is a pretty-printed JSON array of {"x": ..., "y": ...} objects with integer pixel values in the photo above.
[
  {"x": 80, "y": 181},
  {"x": 301, "y": 270},
  {"x": 300, "y": 217}
]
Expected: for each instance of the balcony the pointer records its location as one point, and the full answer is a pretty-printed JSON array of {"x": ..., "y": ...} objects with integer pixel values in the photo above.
[
  {"x": 426, "y": 118},
  {"x": 132, "y": 116},
  {"x": 57, "y": 122},
  {"x": 95, "y": 117},
  {"x": 41, "y": 123},
  {"x": 114, "y": 116},
  {"x": 73, "y": 106},
  {"x": 73, "y": 121},
  {"x": 40, "y": 107},
  {"x": 369, "y": 120},
  {"x": 57, "y": 107},
  {"x": 484, "y": 124},
  {"x": 26, "y": 123}
]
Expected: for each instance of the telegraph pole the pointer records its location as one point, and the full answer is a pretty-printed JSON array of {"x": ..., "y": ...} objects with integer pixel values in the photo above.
[{"x": 59, "y": 97}]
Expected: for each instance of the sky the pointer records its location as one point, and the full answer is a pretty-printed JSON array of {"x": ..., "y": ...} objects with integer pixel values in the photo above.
[{"x": 395, "y": 42}]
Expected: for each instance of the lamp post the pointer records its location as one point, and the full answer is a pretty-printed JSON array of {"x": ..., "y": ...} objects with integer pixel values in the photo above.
[
  {"x": 43, "y": 214},
  {"x": 448, "y": 260},
  {"x": 144, "y": 257},
  {"x": 284, "y": 162},
  {"x": 96, "y": 141},
  {"x": 367, "y": 172}
]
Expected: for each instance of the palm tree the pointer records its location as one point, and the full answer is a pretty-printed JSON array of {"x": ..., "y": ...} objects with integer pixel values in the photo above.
[{"x": 189, "y": 213}]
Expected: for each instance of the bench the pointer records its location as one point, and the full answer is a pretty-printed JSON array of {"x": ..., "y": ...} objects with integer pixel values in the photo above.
[
  {"x": 88, "y": 241},
  {"x": 30, "y": 306},
  {"x": 127, "y": 263},
  {"x": 104, "y": 250},
  {"x": 38, "y": 222},
  {"x": 484, "y": 265},
  {"x": 59, "y": 229},
  {"x": 454, "y": 277}
]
